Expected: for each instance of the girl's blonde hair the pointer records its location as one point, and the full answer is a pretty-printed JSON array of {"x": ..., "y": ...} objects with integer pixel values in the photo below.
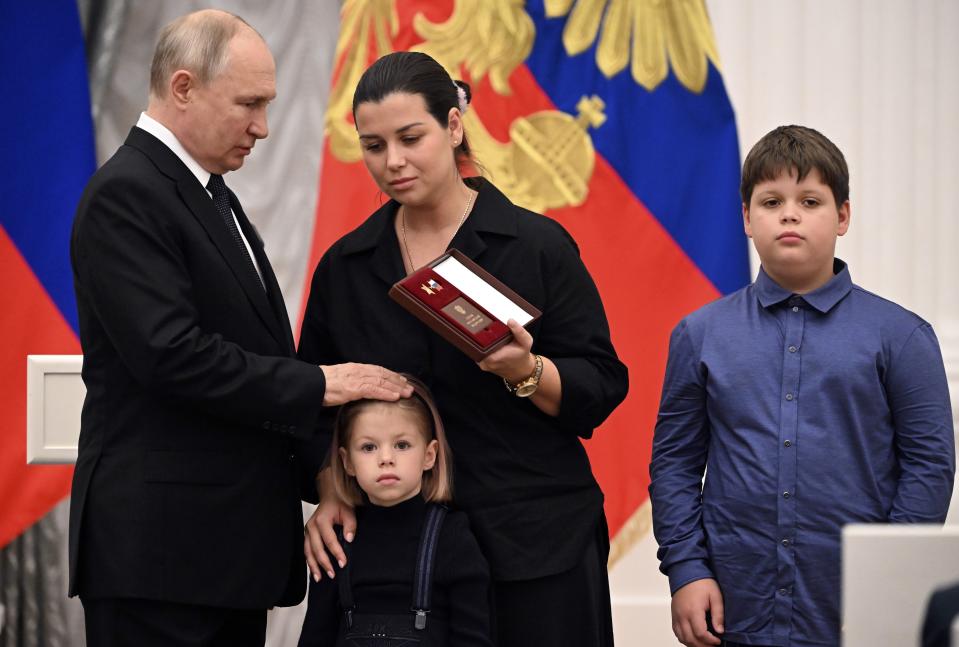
[{"x": 437, "y": 481}]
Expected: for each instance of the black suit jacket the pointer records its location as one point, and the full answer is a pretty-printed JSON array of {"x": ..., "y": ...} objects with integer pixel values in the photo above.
[
  {"x": 185, "y": 486},
  {"x": 521, "y": 475}
]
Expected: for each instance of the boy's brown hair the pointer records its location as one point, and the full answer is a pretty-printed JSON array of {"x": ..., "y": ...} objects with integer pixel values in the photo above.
[
  {"x": 795, "y": 149},
  {"x": 437, "y": 481}
]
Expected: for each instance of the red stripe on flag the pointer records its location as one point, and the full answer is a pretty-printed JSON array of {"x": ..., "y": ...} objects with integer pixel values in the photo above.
[
  {"x": 648, "y": 284},
  {"x": 31, "y": 325}
]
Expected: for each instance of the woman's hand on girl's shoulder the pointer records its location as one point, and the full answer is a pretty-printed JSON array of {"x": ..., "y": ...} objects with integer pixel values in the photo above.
[{"x": 319, "y": 536}]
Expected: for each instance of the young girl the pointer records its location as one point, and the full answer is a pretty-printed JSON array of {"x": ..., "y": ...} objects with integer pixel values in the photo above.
[{"x": 391, "y": 461}]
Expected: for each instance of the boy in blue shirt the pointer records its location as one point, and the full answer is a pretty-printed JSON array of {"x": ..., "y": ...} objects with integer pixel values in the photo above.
[{"x": 808, "y": 402}]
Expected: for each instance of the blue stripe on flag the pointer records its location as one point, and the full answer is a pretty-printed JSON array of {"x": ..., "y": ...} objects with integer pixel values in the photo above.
[{"x": 47, "y": 153}]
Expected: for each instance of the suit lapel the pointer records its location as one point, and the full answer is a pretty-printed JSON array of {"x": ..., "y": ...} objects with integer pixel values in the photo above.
[
  {"x": 273, "y": 292},
  {"x": 201, "y": 205},
  {"x": 199, "y": 202}
]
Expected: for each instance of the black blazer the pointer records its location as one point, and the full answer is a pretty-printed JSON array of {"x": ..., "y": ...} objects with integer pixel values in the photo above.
[
  {"x": 521, "y": 475},
  {"x": 184, "y": 487}
]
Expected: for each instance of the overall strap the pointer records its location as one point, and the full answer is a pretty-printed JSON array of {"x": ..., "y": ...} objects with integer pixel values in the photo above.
[
  {"x": 343, "y": 580},
  {"x": 425, "y": 560}
]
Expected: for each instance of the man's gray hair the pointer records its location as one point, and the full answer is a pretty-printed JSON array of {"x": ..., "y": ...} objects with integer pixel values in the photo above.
[{"x": 197, "y": 42}]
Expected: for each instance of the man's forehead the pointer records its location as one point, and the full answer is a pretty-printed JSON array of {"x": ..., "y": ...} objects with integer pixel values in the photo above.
[
  {"x": 247, "y": 52},
  {"x": 244, "y": 77}
]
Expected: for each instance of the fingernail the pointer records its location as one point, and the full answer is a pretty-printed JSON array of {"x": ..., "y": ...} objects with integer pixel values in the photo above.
[
  {"x": 349, "y": 537},
  {"x": 330, "y": 574},
  {"x": 341, "y": 563},
  {"x": 316, "y": 578}
]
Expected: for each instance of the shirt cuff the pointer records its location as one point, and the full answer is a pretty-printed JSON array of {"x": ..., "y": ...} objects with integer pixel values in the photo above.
[
  {"x": 683, "y": 573},
  {"x": 580, "y": 402}
]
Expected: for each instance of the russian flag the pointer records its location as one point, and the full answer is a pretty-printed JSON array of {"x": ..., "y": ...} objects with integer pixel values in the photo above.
[{"x": 46, "y": 156}]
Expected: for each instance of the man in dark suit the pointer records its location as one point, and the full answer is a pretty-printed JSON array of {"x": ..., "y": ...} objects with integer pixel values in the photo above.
[{"x": 185, "y": 523}]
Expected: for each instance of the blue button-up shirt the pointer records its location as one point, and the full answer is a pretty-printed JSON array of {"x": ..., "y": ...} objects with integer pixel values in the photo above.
[{"x": 805, "y": 413}]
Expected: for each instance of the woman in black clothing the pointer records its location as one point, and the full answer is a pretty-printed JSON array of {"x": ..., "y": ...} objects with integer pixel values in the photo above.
[
  {"x": 391, "y": 461},
  {"x": 522, "y": 474}
]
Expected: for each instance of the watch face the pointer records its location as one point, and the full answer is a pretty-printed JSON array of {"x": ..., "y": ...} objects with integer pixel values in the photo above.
[{"x": 526, "y": 390}]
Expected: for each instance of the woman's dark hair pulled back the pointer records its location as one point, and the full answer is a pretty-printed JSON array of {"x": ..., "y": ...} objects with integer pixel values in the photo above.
[{"x": 413, "y": 73}]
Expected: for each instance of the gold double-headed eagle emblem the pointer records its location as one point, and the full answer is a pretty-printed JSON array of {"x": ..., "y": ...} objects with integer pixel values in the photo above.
[{"x": 549, "y": 158}]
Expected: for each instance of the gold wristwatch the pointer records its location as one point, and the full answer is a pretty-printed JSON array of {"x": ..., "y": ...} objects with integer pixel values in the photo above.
[{"x": 527, "y": 387}]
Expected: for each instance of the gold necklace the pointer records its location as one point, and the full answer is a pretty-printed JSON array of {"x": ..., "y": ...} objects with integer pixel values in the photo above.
[{"x": 406, "y": 246}]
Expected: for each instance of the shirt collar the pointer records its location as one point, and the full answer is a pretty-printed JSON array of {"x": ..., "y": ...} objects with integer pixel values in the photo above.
[
  {"x": 492, "y": 212},
  {"x": 161, "y": 132},
  {"x": 822, "y": 299}
]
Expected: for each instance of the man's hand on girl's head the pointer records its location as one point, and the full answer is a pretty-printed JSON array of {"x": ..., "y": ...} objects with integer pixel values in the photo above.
[{"x": 352, "y": 381}]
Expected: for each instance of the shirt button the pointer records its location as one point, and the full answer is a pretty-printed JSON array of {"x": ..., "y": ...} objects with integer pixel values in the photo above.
[
  {"x": 788, "y": 443},
  {"x": 783, "y": 591},
  {"x": 786, "y": 495},
  {"x": 786, "y": 543},
  {"x": 793, "y": 349},
  {"x": 795, "y": 308},
  {"x": 789, "y": 396}
]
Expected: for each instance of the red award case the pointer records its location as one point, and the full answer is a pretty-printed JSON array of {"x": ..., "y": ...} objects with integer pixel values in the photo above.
[{"x": 453, "y": 312}]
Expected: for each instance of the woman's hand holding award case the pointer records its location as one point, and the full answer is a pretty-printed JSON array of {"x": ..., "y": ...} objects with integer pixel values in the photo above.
[{"x": 464, "y": 303}]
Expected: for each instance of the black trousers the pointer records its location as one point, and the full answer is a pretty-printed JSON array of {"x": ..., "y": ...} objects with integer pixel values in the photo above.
[
  {"x": 119, "y": 622},
  {"x": 569, "y": 608}
]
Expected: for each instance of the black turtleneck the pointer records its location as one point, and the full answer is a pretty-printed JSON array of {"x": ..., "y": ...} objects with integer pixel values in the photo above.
[{"x": 382, "y": 564}]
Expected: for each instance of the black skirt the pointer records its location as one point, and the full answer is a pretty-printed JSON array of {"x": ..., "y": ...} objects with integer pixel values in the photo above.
[{"x": 568, "y": 608}]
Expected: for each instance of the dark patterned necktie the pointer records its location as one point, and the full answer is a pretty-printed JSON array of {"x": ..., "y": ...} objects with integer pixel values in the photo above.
[{"x": 221, "y": 200}]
